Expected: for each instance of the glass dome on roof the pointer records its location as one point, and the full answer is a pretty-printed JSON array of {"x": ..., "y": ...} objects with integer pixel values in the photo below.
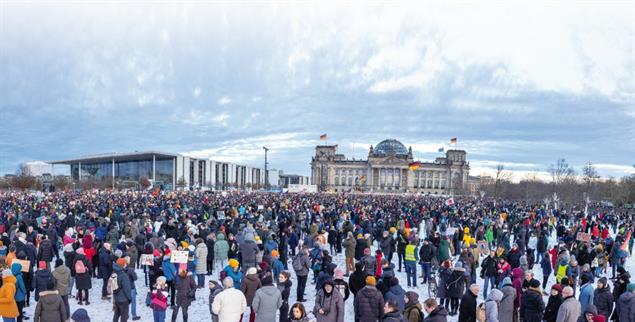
[{"x": 390, "y": 147}]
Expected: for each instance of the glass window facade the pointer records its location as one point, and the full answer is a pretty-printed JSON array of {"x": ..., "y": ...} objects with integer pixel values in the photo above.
[{"x": 129, "y": 170}]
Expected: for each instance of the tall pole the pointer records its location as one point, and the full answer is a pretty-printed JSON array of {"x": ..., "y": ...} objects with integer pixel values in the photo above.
[{"x": 266, "y": 172}]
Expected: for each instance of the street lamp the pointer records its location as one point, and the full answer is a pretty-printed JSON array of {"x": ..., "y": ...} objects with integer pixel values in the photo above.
[{"x": 266, "y": 172}]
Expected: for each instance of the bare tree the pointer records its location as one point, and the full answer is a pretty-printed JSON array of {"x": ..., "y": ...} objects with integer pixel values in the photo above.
[
  {"x": 502, "y": 176},
  {"x": 560, "y": 172},
  {"x": 60, "y": 183},
  {"x": 23, "y": 179}
]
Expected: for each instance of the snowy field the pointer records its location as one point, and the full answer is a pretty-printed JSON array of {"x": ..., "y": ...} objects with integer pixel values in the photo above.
[{"x": 101, "y": 310}]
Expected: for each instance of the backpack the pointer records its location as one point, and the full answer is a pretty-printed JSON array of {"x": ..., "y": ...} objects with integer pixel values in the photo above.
[
  {"x": 297, "y": 263},
  {"x": 420, "y": 314},
  {"x": 113, "y": 283},
  {"x": 80, "y": 268},
  {"x": 481, "y": 314}
]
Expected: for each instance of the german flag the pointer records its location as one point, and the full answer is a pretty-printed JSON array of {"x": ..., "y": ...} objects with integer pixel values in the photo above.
[
  {"x": 414, "y": 165},
  {"x": 323, "y": 137},
  {"x": 453, "y": 140}
]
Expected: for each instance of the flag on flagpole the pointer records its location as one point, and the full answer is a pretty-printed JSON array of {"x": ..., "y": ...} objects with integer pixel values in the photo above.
[
  {"x": 626, "y": 241},
  {"x": 414, "y": 165},
  {"x": 453, "y": 140},
  {"x": 442, "y": 149},
  {"x": 323, "y": 137}
]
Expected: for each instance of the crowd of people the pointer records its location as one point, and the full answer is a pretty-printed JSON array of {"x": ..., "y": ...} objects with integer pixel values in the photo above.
[{"x": 263, "y": 257}]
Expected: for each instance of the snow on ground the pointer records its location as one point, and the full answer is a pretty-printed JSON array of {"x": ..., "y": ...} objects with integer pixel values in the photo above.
[{"x": 101, "y": 310}]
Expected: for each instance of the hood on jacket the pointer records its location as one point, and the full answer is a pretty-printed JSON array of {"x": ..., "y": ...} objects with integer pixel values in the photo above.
[
  {"x": 49, "y": 297},
  {"x": 328, "y": 282},
  {"x": 506, "y": 281},
  {"x": 591, "y": 309},
  {"x": 9, "y": 279},
  {"x": 220, "y": 237},
  {"x": 517, "y": 272},
  {"x": 359, "y": 267},
  {"x": 16, "y": 269},
  {"x": 495, "y": 295},
  {"x": 413, "y": 297}
]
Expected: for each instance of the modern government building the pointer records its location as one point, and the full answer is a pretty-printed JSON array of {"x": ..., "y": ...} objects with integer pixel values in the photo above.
[
  {"x": 390, "y": 167},
  {"x": 167, "y": 170}
]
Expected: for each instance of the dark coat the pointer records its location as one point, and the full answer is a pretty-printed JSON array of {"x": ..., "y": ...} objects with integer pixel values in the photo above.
[
  {"x": 603, "y": 301},
  {"x": 105, "y": 263},
  {"x": 40, "y": 280},
  {"x": 369, "y": 305},
  {"x": 626, "y": 307},
  {"x": 358, "y": 279},
  {"x": 393, "y": 317},
  {"x": 45, "y": 252},
  {"x": 532, "y": 306},
  {"x": 456, "y": 284},
  {"x": 50, "y": 308},
  {"x": 439, "y": 314},
  {"x": 123, "y": 293},
  {"x": 185, "y": 287},
  {"x": 488, "y": 267},
  {"x": 249, "y": 285},
  {"x": 248, "y": 251},
  {"x": 551, "y": 310},
  {"x": 83, "y": 281},
  {"x": 467, "y": 309},
  {"x": 396, "y": 293}
]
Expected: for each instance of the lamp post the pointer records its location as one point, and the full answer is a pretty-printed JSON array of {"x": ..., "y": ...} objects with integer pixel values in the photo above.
[{"x": 266, "y": 172}]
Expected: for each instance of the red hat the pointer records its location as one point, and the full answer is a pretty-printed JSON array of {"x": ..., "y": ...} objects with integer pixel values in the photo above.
[
  {"x": 41, "y": 265},
  {"x": 167, "y": 252},
  {"x": 557, "y": 287}
]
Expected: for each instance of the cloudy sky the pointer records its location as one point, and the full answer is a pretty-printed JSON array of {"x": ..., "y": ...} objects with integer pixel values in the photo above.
[{"x": 520, "y": 84}]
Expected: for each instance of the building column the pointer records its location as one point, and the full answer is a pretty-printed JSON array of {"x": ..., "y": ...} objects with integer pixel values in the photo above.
[
  {"x": 154, "y": 168},
  {"x": 79, "y": 171},
  {"x": 113, "y": 174},
  {"x": 174, "y": 174}
]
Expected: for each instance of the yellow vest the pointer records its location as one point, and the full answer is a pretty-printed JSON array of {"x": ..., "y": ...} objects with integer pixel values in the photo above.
[{"x": 410, "y": 253}]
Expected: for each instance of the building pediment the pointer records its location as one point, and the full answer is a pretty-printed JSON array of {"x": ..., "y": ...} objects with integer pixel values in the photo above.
[{"x": 388, "y": 160}]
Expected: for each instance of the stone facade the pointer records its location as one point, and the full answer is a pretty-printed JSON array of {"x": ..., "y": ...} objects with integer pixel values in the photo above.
[{"x": 387, "y": 170}]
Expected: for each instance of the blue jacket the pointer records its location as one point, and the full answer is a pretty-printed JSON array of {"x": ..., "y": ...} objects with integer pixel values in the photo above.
[
  {"x": 123, "y": 293},
  {"x": 236, "y": 276},
  {"x": 20, "y": 288},
  {"x": 169, "y": 271},
  {"x": 100, "y": 233},
  {"x": 586, "y": 296},
  {"x": 106, "y": 260},
  {"x": 278, "y": 267}
]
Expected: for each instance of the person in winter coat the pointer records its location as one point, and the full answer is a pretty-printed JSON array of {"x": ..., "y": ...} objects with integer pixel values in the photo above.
[
  {"x": 221, "y": 249},
  {"x": 8, "y": 307},
  {"x": 436, "y": 313},
  {"x": 106, "y": 260},
  {"x": 626, "y": 304},
  {"x": 122, "y": 296},
  {"x": 231, "y": 270},
  {"x": 602, "y": 298},
  {"x": 506, "y": 310},
  {"x": 214, "y": 289},
  {"x": 349, "y": 252},
  {"x": 553, "y": 304},
  {"x": 586, "y": 293},
  {"x": 83, "y": 272},
  {"x": 50, "y": 307},
  {"x": 517, "y": 281},
  {"x": 391, "y": 312},
  {"x": 340, "y": 284},
  {"x": 229, "y": 304},
  {"x": 532, "y": 306},
  {"x": 20, "y": 289},
  {"x": 45, "y": 251},
  {"x": 132, "y": 252},
  {"x": 413, "y": 311},
  {"x": 329, "y": 304},
  {"x": 395, "y": 293},
  {"x": 492, "y": 306},
  {"x": 456, "y": 287},
  {"x": 266, "y": 301},
  {"x": 284, "y": 286},
  {"x": 248, "y": 286},
  {"x": 467, "y": 309},
  {"x": 370, "y": 263},
  {"x": 358, "y": 279},
  {"x": 185, "y": 290},
  {"x": 369, "y": 303},
  {"x": 488, "y": 272},
  {"x": 62, "y": 276},
  {"x": 42, "y": 277},
  {"x": 569, "y": 310},
  {"x": 159, "y": 299},
  {"x": 301, "y": 265},
  {"x": 249, "y": 251},
  {"x": 201, "y": 262}
]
